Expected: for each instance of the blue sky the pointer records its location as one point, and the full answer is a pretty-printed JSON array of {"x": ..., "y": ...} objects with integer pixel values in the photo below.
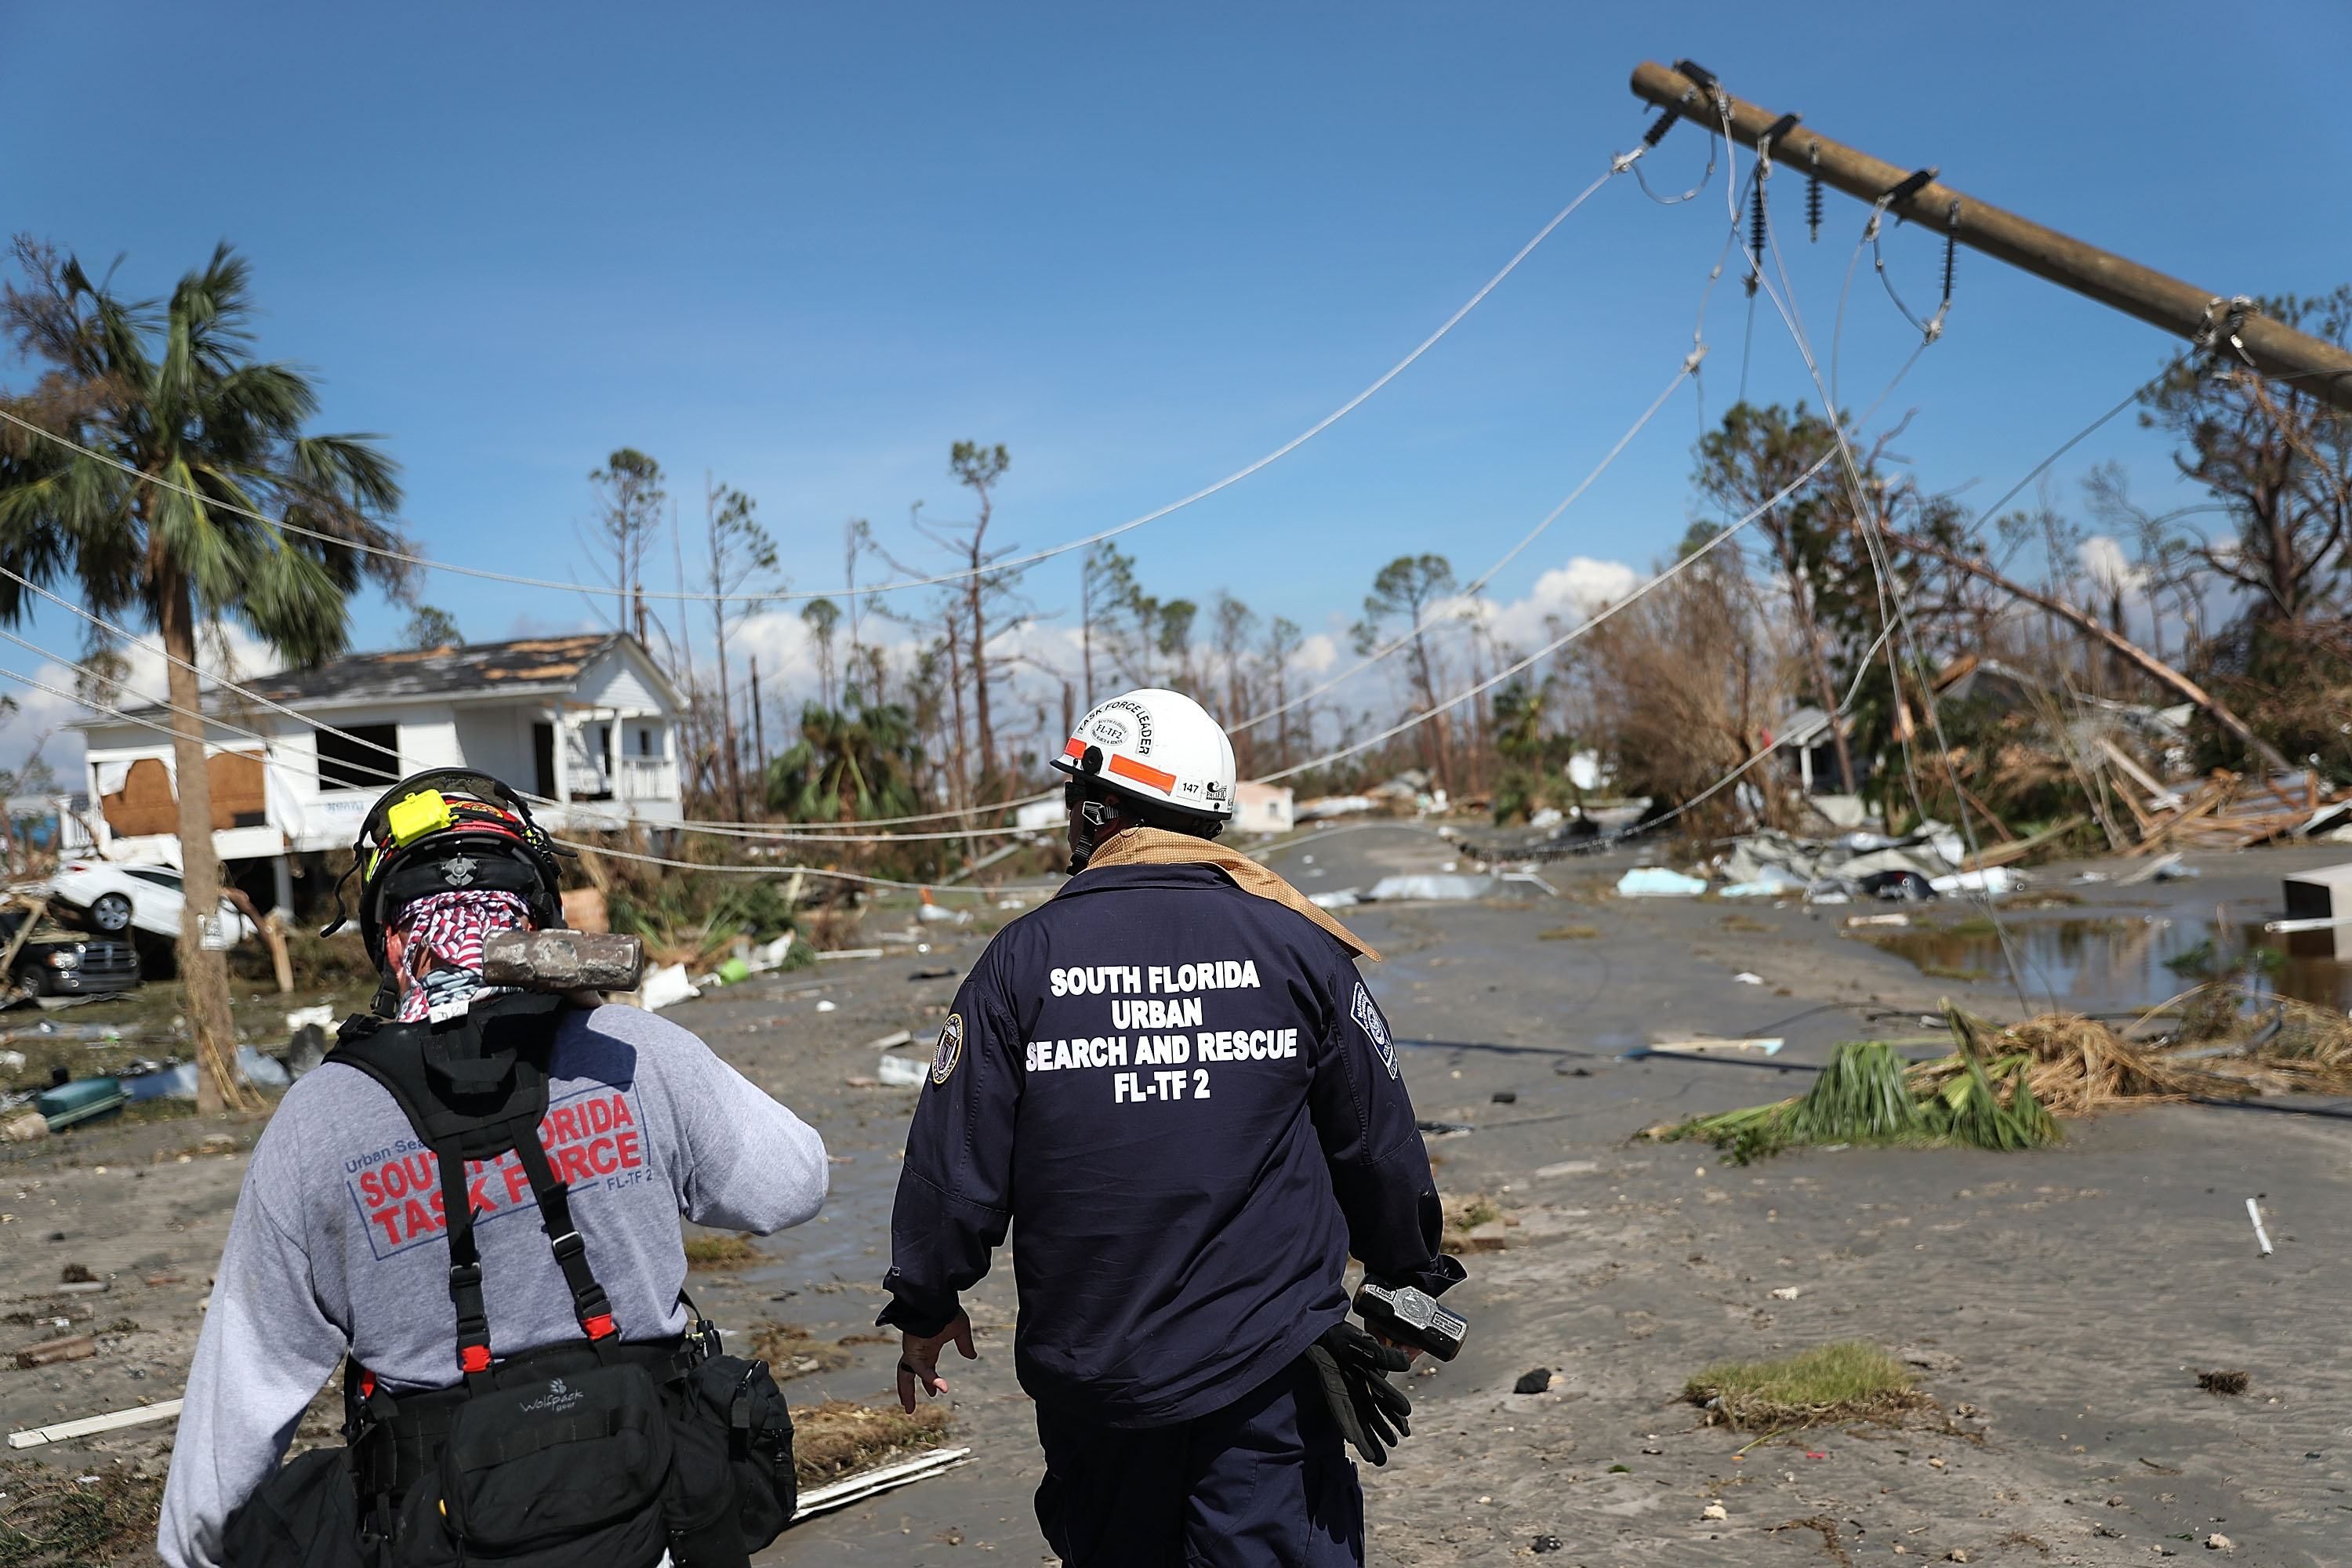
[{"x": 807, "y": 248}]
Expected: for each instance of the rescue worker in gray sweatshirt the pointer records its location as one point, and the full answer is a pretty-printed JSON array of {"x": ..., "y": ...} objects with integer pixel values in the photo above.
[{"x": 337, "y": 1243}]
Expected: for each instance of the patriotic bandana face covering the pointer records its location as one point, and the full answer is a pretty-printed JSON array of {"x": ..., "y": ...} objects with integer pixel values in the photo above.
[{"x": 444, "y": 955}]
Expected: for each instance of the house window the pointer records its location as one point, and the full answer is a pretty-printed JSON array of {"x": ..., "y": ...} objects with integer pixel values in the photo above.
[
  {"x": 646, "y": 746},
  {"x": 364, "y": 756},
  {"x": 542, "y": 760}
]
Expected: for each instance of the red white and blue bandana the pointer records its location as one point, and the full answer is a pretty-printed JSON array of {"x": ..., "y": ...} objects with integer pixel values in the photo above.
[{"x": 444, "y": 957}]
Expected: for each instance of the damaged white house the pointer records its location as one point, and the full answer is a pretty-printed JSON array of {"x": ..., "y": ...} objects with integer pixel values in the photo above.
[{"x": 587, "y": 721}]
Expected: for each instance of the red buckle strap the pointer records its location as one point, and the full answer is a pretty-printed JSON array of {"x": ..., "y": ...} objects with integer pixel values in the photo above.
[
  {"x": 474, "y": 1358},
  {"x": 599, "y": 1326}
]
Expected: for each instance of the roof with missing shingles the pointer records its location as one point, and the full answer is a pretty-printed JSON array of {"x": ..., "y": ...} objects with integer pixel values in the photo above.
[{"x": 473, "y": 668}]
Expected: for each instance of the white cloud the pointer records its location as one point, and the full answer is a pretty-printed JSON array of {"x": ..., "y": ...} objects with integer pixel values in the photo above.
[
  {"x": 2103, "y": 561},
  {"x": 1565, "y": 596},
  {"x": 1316, "y": 654}
]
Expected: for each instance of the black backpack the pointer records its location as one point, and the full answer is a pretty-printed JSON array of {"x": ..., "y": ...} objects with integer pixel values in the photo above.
[{"x": 591, "y": 1451}]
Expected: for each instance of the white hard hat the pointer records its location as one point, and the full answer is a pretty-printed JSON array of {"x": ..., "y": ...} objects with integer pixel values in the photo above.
[{"x": 1160, "y": 747}]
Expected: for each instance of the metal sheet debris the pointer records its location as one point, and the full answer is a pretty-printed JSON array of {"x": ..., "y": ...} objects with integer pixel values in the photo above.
[
  {"x": 1768, "y": 1045},
  {"x": 1658, "y": 883},
  {"x": 902, "y": 1072},
  {"x": 1428, "y": 886}
]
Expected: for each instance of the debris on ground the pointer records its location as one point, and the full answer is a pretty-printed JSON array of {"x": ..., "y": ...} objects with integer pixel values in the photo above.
[
  {"x": 1703, "y": 1044},
  {"x": 1429, "y": 888},
  {"x": 2228, "y": 1383},
  {"x": 1568, "y": 933},
  {"x": 832, "y": 1439},
  {"x": 49, "y": 1352},
  {"x": 1849, "y": 1381},
  {"x": 720, "y": 1251},
  {"x": 1537, "y": 1381},
  {"x": 56, "y": 1517},
  {"x": 1869, "y": 1094},
  {"x": 1473, "y": 1223},
  {"x": 901, "y": 1072},
  {"x": 1658, "y": 883},
  {"x": 89, "y": 1425},
  {"x": 791, "y": 1351},
  {"x": 2002, "y": 1087}
]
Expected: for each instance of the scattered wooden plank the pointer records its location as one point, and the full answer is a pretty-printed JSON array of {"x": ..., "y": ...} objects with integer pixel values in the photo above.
[
  {"x": 858, "y": 1488},
  {"x": 2002, "y": 854},
  {"x": 2158, "y": 793},
  {"x": 89, "y": 1425}
]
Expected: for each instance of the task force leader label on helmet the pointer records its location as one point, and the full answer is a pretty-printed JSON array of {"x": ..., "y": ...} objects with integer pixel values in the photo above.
[
  {"x": 1375, "y": 1027},
  {"x": 949, "y": 1049}
]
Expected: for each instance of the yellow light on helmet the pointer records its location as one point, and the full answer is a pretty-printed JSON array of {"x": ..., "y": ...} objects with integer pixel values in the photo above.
[{"x": 417, "y": 816}]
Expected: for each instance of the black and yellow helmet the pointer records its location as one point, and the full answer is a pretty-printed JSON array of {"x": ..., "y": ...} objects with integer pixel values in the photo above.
[{"x": 447, "y": 830}]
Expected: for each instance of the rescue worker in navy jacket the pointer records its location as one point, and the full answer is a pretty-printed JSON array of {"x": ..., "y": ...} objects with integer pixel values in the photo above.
[{"x": 1172, "y": 1077}]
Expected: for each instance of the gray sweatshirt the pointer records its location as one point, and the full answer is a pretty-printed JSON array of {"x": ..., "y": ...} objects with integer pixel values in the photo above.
[{"x": 337, "y": 1243}]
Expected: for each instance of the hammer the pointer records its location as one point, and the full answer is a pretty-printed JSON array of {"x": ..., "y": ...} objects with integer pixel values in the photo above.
[{"x": 563, "y": 960}]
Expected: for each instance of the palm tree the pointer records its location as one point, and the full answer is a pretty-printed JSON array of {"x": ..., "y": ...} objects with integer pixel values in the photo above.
[
  {"x": 849, "y": 764},
  {"x": 172, "y": 424}
]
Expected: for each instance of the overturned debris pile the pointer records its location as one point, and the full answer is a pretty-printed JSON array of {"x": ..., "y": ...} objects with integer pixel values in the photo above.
[{"x": 2232, "y": 811}]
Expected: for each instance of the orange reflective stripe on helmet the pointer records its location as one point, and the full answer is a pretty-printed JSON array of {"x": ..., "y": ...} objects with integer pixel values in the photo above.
[{"x": 1142, "y": 773}]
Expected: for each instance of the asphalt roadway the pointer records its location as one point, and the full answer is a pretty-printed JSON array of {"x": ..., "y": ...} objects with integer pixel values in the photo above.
[{"x": 2057, "y": 1305}]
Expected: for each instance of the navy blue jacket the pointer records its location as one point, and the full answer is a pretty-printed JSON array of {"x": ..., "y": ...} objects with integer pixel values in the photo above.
[{"x": 1187, "y": 1104}]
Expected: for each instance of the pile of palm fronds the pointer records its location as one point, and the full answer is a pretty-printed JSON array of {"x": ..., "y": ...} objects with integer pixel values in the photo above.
[
  {"x": 1868, "y": 1094},
  {"x": 2001, "y": 1087},
  {"x": 2074, "y": 1066}
]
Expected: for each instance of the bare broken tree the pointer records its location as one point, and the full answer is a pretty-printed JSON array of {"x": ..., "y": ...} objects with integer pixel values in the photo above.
[
  {"x": 985, "y": 595},
  {"x": 629, "y": 500},
  {"x": 740, "y": 553}
]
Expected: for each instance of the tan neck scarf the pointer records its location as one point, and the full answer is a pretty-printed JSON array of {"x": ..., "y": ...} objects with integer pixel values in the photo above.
[{"x": 1159, "y": 846}]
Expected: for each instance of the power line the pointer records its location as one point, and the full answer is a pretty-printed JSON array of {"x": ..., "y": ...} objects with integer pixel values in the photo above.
[
  {"x": 106, "y": 711},
  {"x": 1689, "y": 366},
  {"x": 1882, "y": 570},
  {"x": 1557, "y": 642},
  {"x": 853, "y": 592}
]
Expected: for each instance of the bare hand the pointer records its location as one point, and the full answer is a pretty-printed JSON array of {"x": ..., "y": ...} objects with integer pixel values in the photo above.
[{"x": 919, "y": 1359}]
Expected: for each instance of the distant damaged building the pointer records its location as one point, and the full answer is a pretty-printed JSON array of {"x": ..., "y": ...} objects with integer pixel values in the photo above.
[{"x": 587, "y": 722}]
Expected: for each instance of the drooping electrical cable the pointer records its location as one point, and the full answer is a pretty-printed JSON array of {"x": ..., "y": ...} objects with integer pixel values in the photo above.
[{"x": 872, "y": 590}]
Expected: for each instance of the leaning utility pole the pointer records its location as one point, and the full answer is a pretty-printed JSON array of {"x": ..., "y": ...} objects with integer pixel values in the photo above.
[{"x": 2205, "y": 318}]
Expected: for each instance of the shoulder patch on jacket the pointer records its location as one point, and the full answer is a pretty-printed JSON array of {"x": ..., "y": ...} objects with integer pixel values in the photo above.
[
  {"x": 1376, "y": 1029},
  {"x": 949, "y": 1049}
]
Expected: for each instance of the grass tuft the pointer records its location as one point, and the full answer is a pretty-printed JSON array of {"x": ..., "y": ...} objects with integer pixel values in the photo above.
[
  {"x": 1849, "y": 1381},
  {"x": 53, "y": 1520}
]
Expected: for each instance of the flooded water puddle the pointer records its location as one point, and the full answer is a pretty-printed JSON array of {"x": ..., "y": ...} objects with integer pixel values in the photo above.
[{"x": 2125, "y": 962}]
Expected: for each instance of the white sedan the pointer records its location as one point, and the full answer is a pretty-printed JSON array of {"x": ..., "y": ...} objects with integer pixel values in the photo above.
[{"x": 115, "y": 899}]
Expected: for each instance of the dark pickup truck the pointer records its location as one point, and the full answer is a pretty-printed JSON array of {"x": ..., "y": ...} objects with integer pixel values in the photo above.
[{"x": 55, "y": 962}]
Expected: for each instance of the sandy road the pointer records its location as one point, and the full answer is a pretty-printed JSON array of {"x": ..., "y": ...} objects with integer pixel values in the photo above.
[{"x": 2064, "y": 1299}]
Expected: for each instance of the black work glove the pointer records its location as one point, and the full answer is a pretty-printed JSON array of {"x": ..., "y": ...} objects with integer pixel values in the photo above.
[{"x": 1353, "y": 1369}]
